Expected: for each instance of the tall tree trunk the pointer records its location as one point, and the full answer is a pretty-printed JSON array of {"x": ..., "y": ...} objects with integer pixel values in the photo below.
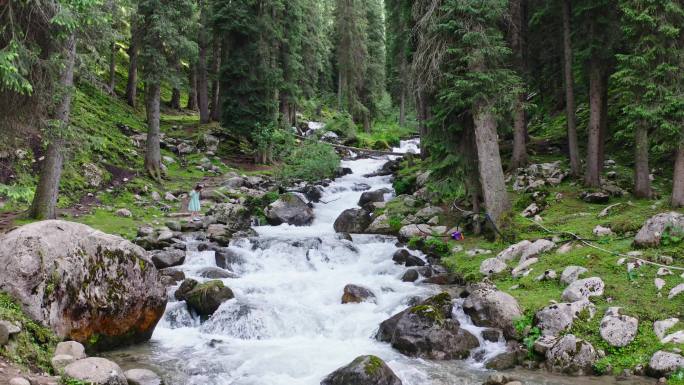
[
  {"x": 517, "y": 38},
  {"x": 175, "y": 99},
  {"x": 192, "y": 92},
  {"x": 573, "y": 146},
  {"x": 153, "y": 152},
  {"x": 132, "y": 83},
  {"x": 642, "y": 182},
  {"x": 339, "y": 91},
  {"x": 202, "y": 75},
  {"x": 112, "y": 68},
  {"x": 489, "y": 163},
  {"x": 45, "y": 200},
  {"x": 604, "y": 119},
  {"x": 404, "y": 82},
  {"x": 678, "y": 179},
  {"x": 215, "y": 68},
  {"x": 592, "y": 177}
]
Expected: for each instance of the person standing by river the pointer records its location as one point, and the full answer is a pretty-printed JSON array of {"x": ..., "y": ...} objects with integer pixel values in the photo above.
[{"x": 194, "y": 206}]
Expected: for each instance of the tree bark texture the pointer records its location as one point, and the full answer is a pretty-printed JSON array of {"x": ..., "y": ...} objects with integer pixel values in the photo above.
[
  {"x": 132, "y": 83},
  {"x": 678, "y": 179},
  {"x": 153, "y": 151},
  {"x": 642, "y": 181},
  {"x": 570, "y": 108},
  {"x": 592, "y": 176},
  {"x": 192, "y": 92},
  {"x": 215, "y": 68},
  {"x": 112, "y": 68}
]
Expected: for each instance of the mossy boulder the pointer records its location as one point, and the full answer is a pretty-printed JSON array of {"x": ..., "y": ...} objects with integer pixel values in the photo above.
[
  {"x": 85, "y": 285},
  {"x": 364, "y": 370},
  {"x": 290, "y": 209},
  {"x": 428, "y": 330},
  {"x": 206, "y": 298}
]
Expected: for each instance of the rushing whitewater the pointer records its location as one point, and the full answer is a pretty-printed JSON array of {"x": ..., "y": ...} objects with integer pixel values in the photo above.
[{"x": 286, "y": 325}]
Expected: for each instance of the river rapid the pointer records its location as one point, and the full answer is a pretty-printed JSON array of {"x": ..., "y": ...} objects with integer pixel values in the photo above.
[{"x": 287, "y": 326}]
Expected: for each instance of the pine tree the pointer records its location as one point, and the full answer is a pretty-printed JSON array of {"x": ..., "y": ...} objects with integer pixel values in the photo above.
[{"x": 399, "y": 51}]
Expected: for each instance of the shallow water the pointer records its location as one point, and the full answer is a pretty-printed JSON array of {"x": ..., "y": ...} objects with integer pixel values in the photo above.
[{"x": 287, "y": 326}]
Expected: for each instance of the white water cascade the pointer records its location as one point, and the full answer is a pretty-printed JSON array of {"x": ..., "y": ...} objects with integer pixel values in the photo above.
[{"x": 286, "y": 325}]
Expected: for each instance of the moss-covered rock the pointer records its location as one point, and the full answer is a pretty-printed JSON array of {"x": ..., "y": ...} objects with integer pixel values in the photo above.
[
  {"x": 364, "y": 370},
  {"x": 206, "y": 298}
]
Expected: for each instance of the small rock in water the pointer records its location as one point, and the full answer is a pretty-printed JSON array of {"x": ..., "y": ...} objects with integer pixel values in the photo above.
[
  {"x": 142, "y": 377},
  {"x": 411, "y": 275},
  {"x": 364, "y": 370},
  {"x": 357, "y": 294}
]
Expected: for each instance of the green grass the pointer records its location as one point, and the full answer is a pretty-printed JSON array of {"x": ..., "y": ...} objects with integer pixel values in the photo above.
[
  {"x": 384, "y": 136},
  {"x": 33, "y": 346}
]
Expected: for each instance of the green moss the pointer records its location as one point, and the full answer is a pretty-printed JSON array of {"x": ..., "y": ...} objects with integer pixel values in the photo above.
[
  {"x": 71, "y": 381},
  {"x": 34, "y": 345},
  {"x": 373, "y": 365},
  {"x": 430, "y": 312}
]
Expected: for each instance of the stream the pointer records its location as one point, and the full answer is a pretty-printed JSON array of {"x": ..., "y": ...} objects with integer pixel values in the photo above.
[{"x": 287, "y": 326}]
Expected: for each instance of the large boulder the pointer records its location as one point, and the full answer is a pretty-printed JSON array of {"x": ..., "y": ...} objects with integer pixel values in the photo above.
[
  {"x": 353, "y": 221},
  {"x": 290, "y": 209},
  {"x": 373, "y": 196},
  {"x": 87, "y": 286},
  {"x": 571, "y": 355},
  {"x": 618, "y": 329},
  {"x": 235, "y": 217},
  {"x": 380, "y": 225},
  {"x": 428, "y": 330},
  {"x": 168, "y": 257},
  {"x": 652, "y": 231},
  {"x": 96, "y": 371},
  {"x": 665, "y": 363},
  {"x": 206, "y": 298},
  {"x": 571, "y": 274},
  {"x": 559, "y": 317},
  {"x": 584, "y": 288},
  {"x": 490, "y": 307},
  {"x": 364, "y": 370}
]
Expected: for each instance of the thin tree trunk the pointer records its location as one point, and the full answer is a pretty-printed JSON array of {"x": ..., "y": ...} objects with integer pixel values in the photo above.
[
  {"x": 112, "y": 68},
  {"x": 573, "y": 146},
  {"x": 489, "y": 163},
  {"x": 402, "y": 107},
  {"x": 215, "y": 69},
  {"x": 642, "y": 182},
  {"x": 518, "y": 15},
  {"x": 339, "y": 91},
  {"x": 45, "y": 200},
  {"x": 153, "y": 153},
  {"x": 604, "y": 120},
  {"x": 519, "y": 157},
  {"x": 202, "y": 76},
  {"x": 132, "y": 83},
  {"x": 592, "y": 177},
  {"x": 678, "y": 179},
  {"x": 192, "y": 92}
]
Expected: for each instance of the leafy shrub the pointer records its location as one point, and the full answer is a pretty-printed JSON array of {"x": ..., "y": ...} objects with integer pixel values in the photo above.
[
  {"x": 437, "y": 246},
  {"x": 17, "y": 193},
  {"x": 404, "y": 185},
  {"x": 311, "y": 162},
  {"x": 672, "y": 236},
  {"x": 342, "y": 124},
  {"x": 395, "y": 223}
]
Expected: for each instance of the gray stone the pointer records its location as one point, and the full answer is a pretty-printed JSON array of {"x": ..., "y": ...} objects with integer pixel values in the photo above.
[
  {"x": 97, "y": 371},
  {"x": 142, "y": 377},
  {"x": 660, "y": 328},
  {"x": 61, "y": 361},
  {"x": 571, "y": 274},
  {"x": 380, "y": 225},
  {"x": 544, "y": 343},
  {"x": 215, "y": 273},
  {"x": 290, "y": 209},
  {"x": 54, "y": 267},
  {"x": 583, "y": 288},
  {"x": 19, "y": 381},
  {"x": 617, "y": 329},
  {"x": 206, "y": 298},
  {"x": 557, "y": 318},
  {"x": 357, "y": 294},
  {"x": 235, "y": 216},
  {"x": 354, "y": 221},
  {"x": 663, "y": 364},
  {"x": 597, "y": 197},
  {"x": 524, "y": 268},
  {"x": 373, "y": 196},
  {"x": 601, "y": 231},
  {"x": 537, "y": 248},
  {"x": 490, "y": 307},
  {"x": 126, "y": 213},
  {"x": 531, "y": 210},
  {"x": 71, "y": 348},
  {"x": 651, "y": 232},
  {"x": 168, "y": 258},
  {"x": 364, "y": 370},
  {"x": 11, "y": 327},
  {"x": 514, "y": 251},
  {"x": 429, "y": 212},
  {"x": 491, "y": 266},
  {"x": 676, "y": 291},
  {"x": 571, "y": 355},
  {"x": 411, "y": 275},
  {"x": 4, "y": 335}
]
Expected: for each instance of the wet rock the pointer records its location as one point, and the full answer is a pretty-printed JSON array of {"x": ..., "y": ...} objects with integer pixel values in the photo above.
[
  {"x": 360, "y": 187},
  {"x": 364, "y": 370},
  {"x": 290, "y": 209},
  {"x": 595, "y": 197},
  {"x": 235, "y": 216},
  {"x": 352, "y": 221},
  {"x": 380, "y": 225},
  {"x": 342, "y": 171},
  {"x": 662, "y": 364},
  {"x": 428, "y": 330},
  {"x": 492, "y": 266},
  {"x": 373, "y": 196},
  {"x": 142, "y": 377},
  {"x": 584, "y": 288},
  {"x": 411, "y": 275},
  {"x": 500, "y": 379},
  {"x": 571, "y": 355},
  {"x": 226, "y": 257},
  {"x": 651, "y": 232},
  {"x": 313, "y": 193},
  {"x": 64, "y": 273},
  {"x": 206, "y": 298},
  {"x": 215, "y": 273},
  {"x": 490, "y": 307},
  {"x": 508, "y": 359},
  {"x": 557, "y": 318},
  {"x": 617, "y": 329},
  {"x": 401, "y": 256},
  {"x": 491, "y": 335},
  {"x": 168, "y": 258},
  {"x": 357, "y": 294},
  {"x": 96, "y": 371},
  {"x": 185, "y": 287},
  {"x": 219, "y": 233},
  {"x": 571, "y": 274},
  {"x": 171, "y": 276}
]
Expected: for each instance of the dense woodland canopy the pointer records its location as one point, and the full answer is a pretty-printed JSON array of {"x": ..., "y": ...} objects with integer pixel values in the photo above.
[{"x": 478, "y": 79}]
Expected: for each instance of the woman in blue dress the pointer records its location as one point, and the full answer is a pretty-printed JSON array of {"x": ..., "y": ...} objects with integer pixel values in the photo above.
[{"x": 194, "y": 205}]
